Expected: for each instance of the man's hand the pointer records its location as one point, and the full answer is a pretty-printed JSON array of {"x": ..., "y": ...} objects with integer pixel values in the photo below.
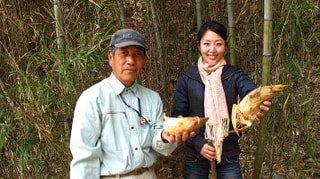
[{"x": 178, "y": 137}]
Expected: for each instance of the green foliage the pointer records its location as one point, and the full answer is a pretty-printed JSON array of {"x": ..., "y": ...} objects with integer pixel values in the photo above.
[{"x": 43, "y": 88}]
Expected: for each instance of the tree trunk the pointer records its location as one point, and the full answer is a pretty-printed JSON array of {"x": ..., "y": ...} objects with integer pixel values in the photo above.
[{"x": 267, "y": 53}]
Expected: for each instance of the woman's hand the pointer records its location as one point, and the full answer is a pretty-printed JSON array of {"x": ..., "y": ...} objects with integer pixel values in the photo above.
[
  {"x": 263, "y": 108},
  {"x": 208, "y": 152}
]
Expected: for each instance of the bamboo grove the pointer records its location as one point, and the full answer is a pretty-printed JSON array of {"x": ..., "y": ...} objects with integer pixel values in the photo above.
[{"x": 51, "y": 51}]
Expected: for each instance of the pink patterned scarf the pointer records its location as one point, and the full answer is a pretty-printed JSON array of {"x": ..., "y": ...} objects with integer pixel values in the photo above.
[{"x": 215, "y": 104}]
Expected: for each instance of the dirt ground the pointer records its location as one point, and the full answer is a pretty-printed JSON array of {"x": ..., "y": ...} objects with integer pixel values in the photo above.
[{"x": 170, "y": 167}]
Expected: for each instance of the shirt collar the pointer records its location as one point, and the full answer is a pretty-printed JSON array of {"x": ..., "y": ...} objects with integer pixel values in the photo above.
[{"x": 119, "y": 87}]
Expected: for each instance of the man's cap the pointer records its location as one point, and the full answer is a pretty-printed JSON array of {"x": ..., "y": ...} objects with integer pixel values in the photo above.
[{"x": 127, "y": 37}]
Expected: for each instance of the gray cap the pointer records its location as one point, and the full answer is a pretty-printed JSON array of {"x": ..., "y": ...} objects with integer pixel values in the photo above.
[{"x": 127, "y": 37}]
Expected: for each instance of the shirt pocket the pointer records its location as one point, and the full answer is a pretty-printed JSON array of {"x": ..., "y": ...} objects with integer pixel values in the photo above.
[
  {"x": 115, "y": 134},
  {"x": 151, "y": 121},
  {"x": 147, "y": 131}
]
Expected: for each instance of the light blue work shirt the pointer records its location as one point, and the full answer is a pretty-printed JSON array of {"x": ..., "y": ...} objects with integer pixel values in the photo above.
[{"x": 107, "y": 137}]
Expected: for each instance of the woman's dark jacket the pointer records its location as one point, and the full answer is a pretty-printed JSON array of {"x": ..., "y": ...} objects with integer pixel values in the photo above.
[{"x": 188, "y": 100}]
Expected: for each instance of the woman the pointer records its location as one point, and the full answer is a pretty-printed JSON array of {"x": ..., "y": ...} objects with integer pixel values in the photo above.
[{"x": 210, "y": 88}]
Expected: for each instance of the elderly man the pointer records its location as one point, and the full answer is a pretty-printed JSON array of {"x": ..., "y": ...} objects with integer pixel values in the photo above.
[{"x": 117, "y": 127}]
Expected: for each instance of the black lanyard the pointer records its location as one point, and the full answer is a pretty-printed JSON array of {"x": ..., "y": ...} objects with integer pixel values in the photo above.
[{"x": 142, "y": 119}]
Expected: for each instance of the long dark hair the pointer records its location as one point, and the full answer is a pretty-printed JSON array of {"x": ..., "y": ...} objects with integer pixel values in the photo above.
[{"x": 215, "y": 27}]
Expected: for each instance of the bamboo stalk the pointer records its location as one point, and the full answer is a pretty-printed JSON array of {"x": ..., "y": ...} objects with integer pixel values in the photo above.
[
  {"x": 161, "y": 60},
  {"x": 198, "y": 12},
  {"x": 122, "y": 14},
  {"x": 267, "y": 54},
  {"x": 213, "y": 164},
  {"x": 267, "y": 42},
  {"x": 59, "y": 26},
  {"x": 232, "y": 32},
  {"x": 60, "y": 44}
]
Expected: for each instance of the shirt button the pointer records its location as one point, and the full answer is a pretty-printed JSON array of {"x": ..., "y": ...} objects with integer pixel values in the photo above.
[
  {"x": 132, "y": 127},
  {"x": 136, "y": 148}
]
